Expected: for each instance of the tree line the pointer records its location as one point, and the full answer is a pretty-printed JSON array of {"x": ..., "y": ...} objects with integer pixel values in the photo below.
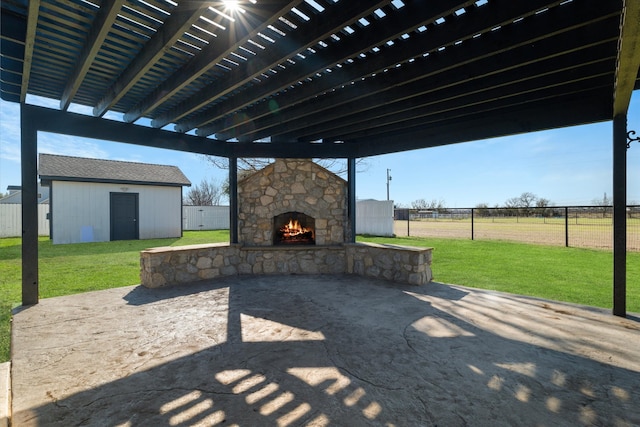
[{"x": 527, "y": 204}]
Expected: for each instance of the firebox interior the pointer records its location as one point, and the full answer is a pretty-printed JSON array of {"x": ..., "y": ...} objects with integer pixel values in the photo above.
[{"x": 293, "y": 228}]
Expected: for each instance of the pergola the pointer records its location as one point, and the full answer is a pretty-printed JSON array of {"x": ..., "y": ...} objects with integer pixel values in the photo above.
[{"x": 318, "y": 78}]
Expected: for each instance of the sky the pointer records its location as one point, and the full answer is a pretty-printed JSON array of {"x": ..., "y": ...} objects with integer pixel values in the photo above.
[{"x": 568, "y": 166}]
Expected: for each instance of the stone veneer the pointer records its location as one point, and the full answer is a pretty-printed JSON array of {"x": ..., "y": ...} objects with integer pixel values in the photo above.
[
  {"x": 185, "y": 264},
  {"x": 292, "y": 185}
]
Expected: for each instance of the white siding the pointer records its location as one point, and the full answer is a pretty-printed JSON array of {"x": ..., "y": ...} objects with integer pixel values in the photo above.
[
  {"x": 81, "y": 211},
  {"x": 374, "y": 217},
  {"x": 205, "y": 217},
  {"x": 11, "y": 220},
  {"x": 160, "y": 212}
]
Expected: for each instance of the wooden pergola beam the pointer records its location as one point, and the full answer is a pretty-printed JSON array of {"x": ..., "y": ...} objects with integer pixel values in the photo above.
[
  {"x": 100, "y": 28},
  {"x": 306, "y": 35},
  {"x": 209, "y": 57},
  {"x": 628, "y": 62},
  {"x": 181, "y": 19},
  {"x": 29, "y": 44}
]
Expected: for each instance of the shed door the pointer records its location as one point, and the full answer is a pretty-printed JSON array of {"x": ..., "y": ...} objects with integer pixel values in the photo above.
[{"x": 124, "y": 216}]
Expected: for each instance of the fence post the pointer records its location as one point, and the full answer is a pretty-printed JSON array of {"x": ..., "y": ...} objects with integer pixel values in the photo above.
[
  {"x": 566, "y": 226},
  {"x": 472, "y": 223},
  {"x": 408, "y": 220}
]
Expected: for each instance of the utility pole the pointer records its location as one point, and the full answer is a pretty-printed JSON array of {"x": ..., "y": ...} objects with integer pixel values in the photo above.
[{"x": 388, "y": 180}]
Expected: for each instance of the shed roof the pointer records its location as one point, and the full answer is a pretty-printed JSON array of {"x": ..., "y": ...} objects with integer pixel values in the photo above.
[
  {"x": 15, "y": 195},
  {"x": 66, "y": 168}
]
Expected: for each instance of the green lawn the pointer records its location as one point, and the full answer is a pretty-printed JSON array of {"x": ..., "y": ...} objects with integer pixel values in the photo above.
[{"x": 581, "y": 276}]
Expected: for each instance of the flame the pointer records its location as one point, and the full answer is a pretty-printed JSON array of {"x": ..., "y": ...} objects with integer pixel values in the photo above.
[{"x": 293, "y": 228}]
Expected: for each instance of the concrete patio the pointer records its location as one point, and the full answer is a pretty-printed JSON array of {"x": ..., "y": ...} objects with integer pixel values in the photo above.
[{"x": 321, "y": 350}]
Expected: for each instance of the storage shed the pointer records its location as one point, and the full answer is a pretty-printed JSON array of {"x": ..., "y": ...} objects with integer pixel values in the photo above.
[{"x": 93, "y": 200}]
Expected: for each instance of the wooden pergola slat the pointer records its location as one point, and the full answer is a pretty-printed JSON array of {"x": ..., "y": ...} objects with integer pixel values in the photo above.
[{"x": 106, "y": 16}]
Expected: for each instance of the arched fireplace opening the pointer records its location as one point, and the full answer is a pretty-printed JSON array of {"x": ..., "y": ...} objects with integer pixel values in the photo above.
[{"x": 294, "y": 228}]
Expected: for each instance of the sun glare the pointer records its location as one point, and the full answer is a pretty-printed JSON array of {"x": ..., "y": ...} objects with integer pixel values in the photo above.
[{"x": 232, "y": 6}]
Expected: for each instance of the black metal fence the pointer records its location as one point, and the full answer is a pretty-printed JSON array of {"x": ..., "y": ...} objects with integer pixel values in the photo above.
[{"x": 577, "y": 226}]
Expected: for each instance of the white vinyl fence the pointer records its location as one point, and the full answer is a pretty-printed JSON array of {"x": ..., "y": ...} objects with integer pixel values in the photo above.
[
  {"x": 374, "y": 217},
  {"x": 11, "y": 220},
  {"x": 205, "y": 217}
]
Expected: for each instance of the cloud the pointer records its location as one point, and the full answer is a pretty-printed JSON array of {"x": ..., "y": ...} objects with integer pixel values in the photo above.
[
  {"x": 9, "y": 132},
  {"x": 10, "y": 152},
  {"x": 47, "y": 142},
  {"x": 70, "y": 146}
]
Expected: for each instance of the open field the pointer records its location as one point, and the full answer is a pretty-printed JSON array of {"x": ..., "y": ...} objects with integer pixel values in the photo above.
[{"x": 596, "y": 233}]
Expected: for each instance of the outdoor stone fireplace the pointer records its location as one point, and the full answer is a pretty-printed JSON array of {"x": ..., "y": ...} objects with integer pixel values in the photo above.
[
  {"x": 292, "y": 219},
  {"x": 292, "y": 187}
]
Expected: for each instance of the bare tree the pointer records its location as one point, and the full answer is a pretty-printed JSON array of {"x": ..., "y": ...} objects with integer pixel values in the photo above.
[
  {"x": 248, "y": 165},
  {"x": 482, "y": 209},
  {"x": 207, "y": 193},
  {"x": 419, "y": 204},
  {"x": 526, "y": 202},
  {"x": 605, "y": 201},
  {"x": 603, "y": 204},
  {"x": 512, "y": 203},
  {"x": 434, "y": 204},
  {"x": 543, "y": 203}
]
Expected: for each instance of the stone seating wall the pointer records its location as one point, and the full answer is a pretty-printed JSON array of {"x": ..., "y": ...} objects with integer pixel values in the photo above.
[{"x": 165, "y": 266}]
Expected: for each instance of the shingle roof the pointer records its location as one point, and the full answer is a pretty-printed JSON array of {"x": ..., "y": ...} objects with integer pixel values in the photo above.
[
  {"x": 65, "y": 168},
  {"x": 15, "y": 196}
]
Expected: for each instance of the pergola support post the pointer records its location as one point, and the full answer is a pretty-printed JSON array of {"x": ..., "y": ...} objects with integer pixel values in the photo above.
[
  {"x": 29, "y": 166},
  {"x": 351, "y": 198},
  {"x": 233, "y": 199},
  {"x": 620, "y": 215}
]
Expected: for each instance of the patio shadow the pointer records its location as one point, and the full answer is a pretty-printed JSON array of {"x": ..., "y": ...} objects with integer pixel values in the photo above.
[{"x": 321, "y": 350}]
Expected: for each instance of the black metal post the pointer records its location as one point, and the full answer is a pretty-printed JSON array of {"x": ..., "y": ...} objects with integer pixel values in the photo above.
[
  {"x": 619, "y": 215},
  {"x": 29, "y": 165},
  {"x": 351, "y": 199},
  {"x": 472, "y": 223},
  {"x": 566, "y": 226},
  {"x": 233, "y": 199}
]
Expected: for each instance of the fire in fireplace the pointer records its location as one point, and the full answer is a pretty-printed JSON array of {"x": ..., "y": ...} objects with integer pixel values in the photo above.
[{"x": 293, "y": 228}]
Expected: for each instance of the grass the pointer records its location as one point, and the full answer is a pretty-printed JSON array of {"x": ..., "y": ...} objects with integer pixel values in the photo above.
[{"x": 575, "y": 275}]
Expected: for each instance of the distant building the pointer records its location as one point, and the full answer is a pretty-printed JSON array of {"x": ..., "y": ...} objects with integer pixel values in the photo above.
[
  {"x": 94, "y": 200},
  {"x": 15, "y": 195}
]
